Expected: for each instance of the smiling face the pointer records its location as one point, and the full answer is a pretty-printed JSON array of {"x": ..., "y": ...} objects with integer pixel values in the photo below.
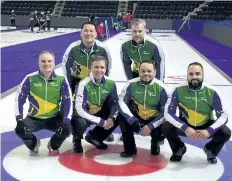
[
  {"x": 147, "y": 72},
  {"x": 88, "y": 34},
  {"x": 195, "y": 76},
  {"x": 46, "y": 63},
  {"x": 98, "y": 69}
]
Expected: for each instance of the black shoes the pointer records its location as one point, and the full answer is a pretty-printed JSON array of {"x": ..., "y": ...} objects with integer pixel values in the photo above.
[
  {"x": 110, "y": 138},
  {"x": 77, "y": 148},
  {"x": 211, "y": 158},
  {"x": 125, "y": 154},
  {"x": 155, "y": 149},
  {"x": 176, "y": 157},
  {"x": 97, "y": 144}
]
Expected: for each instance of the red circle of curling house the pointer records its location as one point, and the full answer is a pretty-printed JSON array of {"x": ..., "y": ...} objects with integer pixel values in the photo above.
[{"x": 143, "y": 162}]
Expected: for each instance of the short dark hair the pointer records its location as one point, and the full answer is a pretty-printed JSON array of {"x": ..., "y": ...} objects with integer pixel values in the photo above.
[
  {"x": 196, "y": 63},
  {"x": 100, "y": 58},
  {"x": 149, "y": 62},
  {"x": 88, "y": 23}
]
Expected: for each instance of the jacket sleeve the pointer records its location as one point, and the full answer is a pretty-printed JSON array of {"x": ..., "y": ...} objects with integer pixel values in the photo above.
[
  {"x": 106, "y": 54},
  {"x": 67, "y": 62},
  {"x": 66, "y": 97},
  {"x": 124, "y": 99},
  {"x": 21, "y": 97},
  {"x": 160, "y": 118},
  {"x": 160, "y": 62},
  {"x": 221, "y": 114},
  {"x": 81, "y": 105},
  {"x": 126, "y": 63},
  {"x": 114, "y": 103},
  {"x": 170, "y": 111}
]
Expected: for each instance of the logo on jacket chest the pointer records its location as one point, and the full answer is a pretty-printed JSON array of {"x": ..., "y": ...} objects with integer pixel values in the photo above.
[
  {"x": 201, "y": 98},
  {"x": 133, "y": 51},
  {"x": 152, "y": 94},
  {"x": 146, "y": 53},
  {"x": 38, "y": 84},
  {"x": 102, "y": 92},
  {"x": 53, "y": 84},
  {"x": 105, "y": 91}
]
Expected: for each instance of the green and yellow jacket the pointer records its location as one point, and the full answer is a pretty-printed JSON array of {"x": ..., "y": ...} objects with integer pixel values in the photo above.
[
  {"x": 147, "y": 100},
  {"x": 196, "y": 108},
  {"x": 77, "y": 60},
  {"x": 44, "y": 96},
  {"x": 149, "y": 50},
  {"x": 90, "y": 97}
]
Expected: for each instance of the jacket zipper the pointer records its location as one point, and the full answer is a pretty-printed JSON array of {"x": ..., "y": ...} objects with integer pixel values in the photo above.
[
  {"x": 87, "y": 60},
  {"x": 91, "y": 51},
  {"x": 99, "y": 93},
  {"x": 139, "y": 54},
  {"x": 144, "y": 105},
  {"x": 195, "y": 117},
  {"x": 46, "y": 96}
]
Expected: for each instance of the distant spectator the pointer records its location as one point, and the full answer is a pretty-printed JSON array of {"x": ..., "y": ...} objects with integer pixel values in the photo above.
[
  {"x": 100, "y": 34},
  {"x": 92, "y": 19},
  {"x": 119, "y": 19},
  {"x": 12, "y": 18},
  {"x": 127, "y": 18}
]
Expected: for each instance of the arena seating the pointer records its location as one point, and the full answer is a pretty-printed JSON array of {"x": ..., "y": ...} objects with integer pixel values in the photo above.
[
  {"x": 85, "y": 8},
  {"x": 164, "y": 9},
  {"x": 25, "y": 7},
  {"x": 216, "y": 10},
  {"x": 130, "y": 6}
]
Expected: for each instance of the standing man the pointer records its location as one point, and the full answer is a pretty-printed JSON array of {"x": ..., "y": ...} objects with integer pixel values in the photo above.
[
  {"x": 141, "y": 106},
  {"x": 125, "y": 19},
  {"x": 42, "y": 21},
  {"x": 141, "y": 48},
  {"x": 33, "y": 18},
  {"x": 196, "y": 100},
  {"x": 100, "y": 35},
  {"x": 92, "y": 19},
  {"x": 12, "y": 18},
  {"x": 120, "y": 20},
  {"x": 45, "y": 91},
  {"x": 78, "y": 57},
  {"x": 96, "y": 101},
  {"x": 48, "y": 20}
]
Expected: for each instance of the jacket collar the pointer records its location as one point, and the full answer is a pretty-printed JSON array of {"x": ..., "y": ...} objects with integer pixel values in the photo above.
[
  {"x": 94, "y": 47},
  {"x": 52, "y": 77},
  {"x": 133, "y": 42},
  {"x": 152, "y": 82},
  {"x": 93, "y": 79}
]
